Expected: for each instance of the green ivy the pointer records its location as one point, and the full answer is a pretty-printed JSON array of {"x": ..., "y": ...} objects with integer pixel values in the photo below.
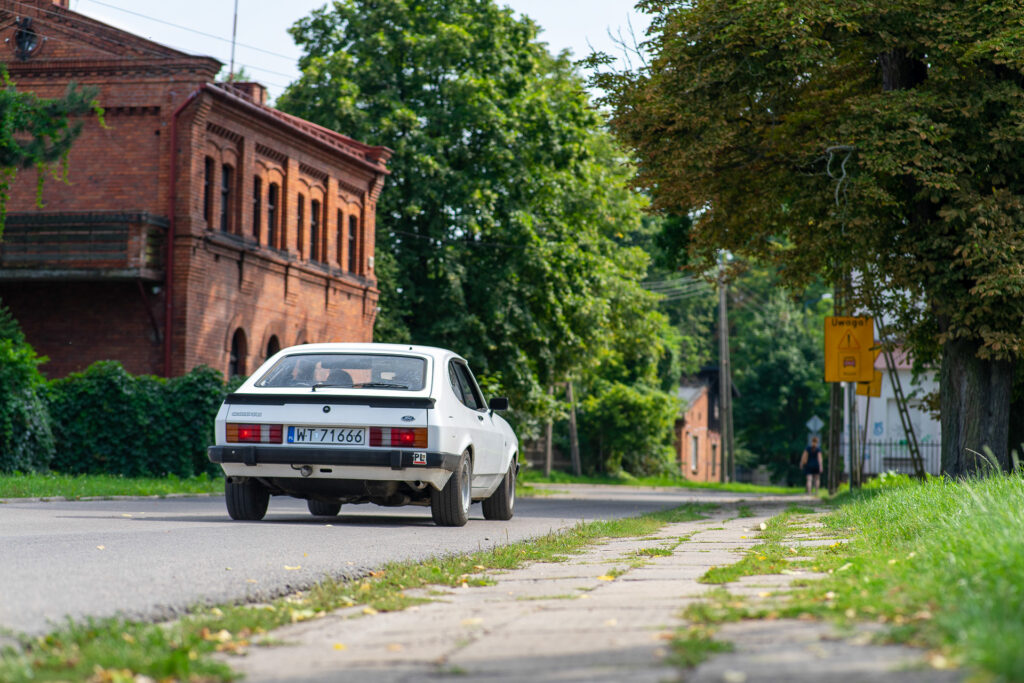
[
  {"x": 26, "y": 439},
  {"x": 112, "y": 422}
]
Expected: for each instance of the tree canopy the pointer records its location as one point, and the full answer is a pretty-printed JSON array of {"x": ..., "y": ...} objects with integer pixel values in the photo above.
[
  {"x": 882, "y": 138},
  {"x": 504, "y": 228}
]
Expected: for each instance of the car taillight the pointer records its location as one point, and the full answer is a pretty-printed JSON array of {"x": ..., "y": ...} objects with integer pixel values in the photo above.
[
  {"x": 401, "y": 437},
  {"x": 242, "y": 433}
]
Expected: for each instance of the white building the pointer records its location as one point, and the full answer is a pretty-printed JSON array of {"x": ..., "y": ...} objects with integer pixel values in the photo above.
[{"x": 886, "y": 441}]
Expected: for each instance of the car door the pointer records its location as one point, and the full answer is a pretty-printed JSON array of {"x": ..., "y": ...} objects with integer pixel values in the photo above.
[{"x": 477, "y": 420}]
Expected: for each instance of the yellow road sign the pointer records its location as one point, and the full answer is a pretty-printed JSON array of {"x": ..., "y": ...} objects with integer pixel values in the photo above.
[
  {"x": 872, "y": 388},
  {"x": 848, "y": 353}
]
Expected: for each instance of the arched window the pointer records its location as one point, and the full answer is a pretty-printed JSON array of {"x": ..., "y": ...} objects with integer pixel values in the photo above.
[
  {"x": 239, "y": 349},
  {"x": 273, "y": 193},
  {"x": 208, "y": 191},
  {"x": 339, "y": 239},
  {"x": 273, "y": 346},
  {"x": 300, "y": 222},
  {"x": 257, "y": 206},
  {"x": 314, "y": 230},
  {"x": 353, "y": 244},
  {"x": 226, "y": 173}
]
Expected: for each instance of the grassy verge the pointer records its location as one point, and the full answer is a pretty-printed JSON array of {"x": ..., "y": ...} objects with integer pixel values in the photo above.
[
  {"x": 115, "y": 650},
  {"x": 73, "y": 487},
  {"x": 941, "y": 564},
  {"x": 535, "y": 476}
]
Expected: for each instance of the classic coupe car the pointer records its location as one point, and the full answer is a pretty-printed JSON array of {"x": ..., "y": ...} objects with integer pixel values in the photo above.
[{"x": 366, "y": 423}]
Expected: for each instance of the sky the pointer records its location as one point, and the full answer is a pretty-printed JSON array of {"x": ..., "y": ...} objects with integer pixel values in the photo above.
[{"x": 268, "y": 54}]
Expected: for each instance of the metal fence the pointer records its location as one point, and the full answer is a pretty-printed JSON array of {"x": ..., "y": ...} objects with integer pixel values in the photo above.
[{"x": 894, "y": 456}]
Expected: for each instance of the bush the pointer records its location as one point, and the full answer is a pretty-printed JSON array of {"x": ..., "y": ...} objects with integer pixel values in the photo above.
[
  {"x": 629, "y": 428},
  {"x": 26, "y": 437},
  {"x": 111, "y": 422}
]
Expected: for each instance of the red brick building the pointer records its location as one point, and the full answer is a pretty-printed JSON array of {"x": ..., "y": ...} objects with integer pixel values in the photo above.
[
  {"x": 197, "y": 210},
  {"x": 697, "y": 438}
]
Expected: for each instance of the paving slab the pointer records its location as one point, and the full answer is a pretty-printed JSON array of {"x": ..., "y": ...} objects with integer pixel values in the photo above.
[{"x": 575, "y": 621}]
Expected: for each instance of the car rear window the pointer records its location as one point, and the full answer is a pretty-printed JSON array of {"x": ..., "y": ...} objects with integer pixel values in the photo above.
[{"x": 346, "y": 371}]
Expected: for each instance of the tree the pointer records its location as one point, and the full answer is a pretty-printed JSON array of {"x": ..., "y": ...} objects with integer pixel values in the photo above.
[
  {"x": 504, "y": 228},
  {"x": 881, "y": 138},
  {"x": 36, "y": 132},
  {"x": 777, "y": 356}
]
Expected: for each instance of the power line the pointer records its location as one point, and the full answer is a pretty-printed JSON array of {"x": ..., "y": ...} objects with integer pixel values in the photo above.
[
  {"x": 82, "y": 31},
  {"x": 192, "y": 30}
]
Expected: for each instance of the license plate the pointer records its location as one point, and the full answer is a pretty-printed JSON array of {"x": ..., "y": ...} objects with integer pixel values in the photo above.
[{"x": 346, "y": 436}]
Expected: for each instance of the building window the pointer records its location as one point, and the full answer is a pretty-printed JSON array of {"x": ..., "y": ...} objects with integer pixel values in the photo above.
[
  {"x": 693, "y": 452},
  {"x": 339, "y": 241},
  {"x": 300, "y": 222},
  {"x": 273, "y": 345},
  {"x": 353, "y": 244},
  {"x": 257, "y": 206},
  {"x": 714, "y": 459},
  {"x": 272, "y": 199},
  {"x": 236, "y": 364},
  {"x": 225, "y": 197},
  {"x": 314, "y": 230},
  {"x": 208, "y": 191}
]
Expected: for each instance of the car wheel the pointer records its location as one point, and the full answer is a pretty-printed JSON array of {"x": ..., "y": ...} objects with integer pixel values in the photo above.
[
  {"x": 450, "y": 505},
  {"x": 247, "y": 499},
  {"x": 502, "y": 503},
  {"x": 319, "y": 508}
]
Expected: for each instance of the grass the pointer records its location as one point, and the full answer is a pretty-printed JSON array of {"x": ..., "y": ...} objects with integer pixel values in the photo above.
[
  {"x": 695, "y": 644},
  {"x": 941, "y": 564},
  {"x": 74, "y": 487},
  {"x": 117, "y": 650},
  {"x": 535, "y": 476}
]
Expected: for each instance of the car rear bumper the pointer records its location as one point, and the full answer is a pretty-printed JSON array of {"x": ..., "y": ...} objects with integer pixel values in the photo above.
[{"x": 340, "y": 457}]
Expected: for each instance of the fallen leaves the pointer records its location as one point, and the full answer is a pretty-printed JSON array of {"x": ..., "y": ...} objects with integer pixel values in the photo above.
[{"x": 606, "y": 577}]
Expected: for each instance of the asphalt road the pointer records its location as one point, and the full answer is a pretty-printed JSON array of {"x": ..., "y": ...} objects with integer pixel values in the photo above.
[{"x": 154, "y": 558}]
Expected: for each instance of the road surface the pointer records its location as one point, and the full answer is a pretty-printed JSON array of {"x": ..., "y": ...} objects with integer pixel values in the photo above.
[{"x": 154, "y": 558}]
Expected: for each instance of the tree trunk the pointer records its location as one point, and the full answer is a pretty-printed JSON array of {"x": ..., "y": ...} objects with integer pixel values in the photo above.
[{"x": 975, "y": 400}]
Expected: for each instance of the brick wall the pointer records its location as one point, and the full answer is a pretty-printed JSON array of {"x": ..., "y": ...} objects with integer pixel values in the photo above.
[
  {"x": 224, "y": 281},
  {"x": 694, "y": 425}
]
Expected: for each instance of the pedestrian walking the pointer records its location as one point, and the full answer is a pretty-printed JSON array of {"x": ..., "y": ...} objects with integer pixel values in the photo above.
[{"x": 810, "y": 461}]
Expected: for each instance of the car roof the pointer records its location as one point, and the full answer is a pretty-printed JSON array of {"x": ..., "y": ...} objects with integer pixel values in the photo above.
[{"x": 369, "y": 347}]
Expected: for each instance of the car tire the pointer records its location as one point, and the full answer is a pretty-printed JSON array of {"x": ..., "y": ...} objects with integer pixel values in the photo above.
[
  {"x": 450, "y": 505},
  {"x": 502, "y": 503},
  {"x": 247, "y": 499},
  {"x": 319, "y": 508}
]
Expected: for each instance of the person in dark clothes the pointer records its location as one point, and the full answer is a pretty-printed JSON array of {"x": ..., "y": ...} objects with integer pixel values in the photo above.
[{"x": 810, "y": 461}]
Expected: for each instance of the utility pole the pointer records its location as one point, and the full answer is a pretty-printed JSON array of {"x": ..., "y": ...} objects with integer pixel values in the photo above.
[
  {"x": 725, "y": 379},
  {"x": 574, "y": 441},
  {"x": 548, "y": 429},
  {"x": 234, "y": 33}
]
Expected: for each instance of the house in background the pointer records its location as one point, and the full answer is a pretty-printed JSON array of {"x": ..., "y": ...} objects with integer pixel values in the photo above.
[
  {"x": 199, "y": 225},
  {"x": 886, "y": 441},
  {"x": 697, "y": 435}
]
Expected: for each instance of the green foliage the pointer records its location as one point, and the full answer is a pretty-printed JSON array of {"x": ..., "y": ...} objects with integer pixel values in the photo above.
[
  {"x": 777, "y": 356},
  {"x": 942, "y": 560},
  {"x": 738, "y": 116},
  {"x": 111, "y": 422},
  {"x": 628, "y": 427},
  {"x": 505, "y": 225},
  {"x": 38, "y": 133},
  {"x": 26, "y": 437}
]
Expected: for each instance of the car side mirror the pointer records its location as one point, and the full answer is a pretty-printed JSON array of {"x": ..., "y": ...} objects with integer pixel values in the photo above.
[{"x": 498, "y": 403}]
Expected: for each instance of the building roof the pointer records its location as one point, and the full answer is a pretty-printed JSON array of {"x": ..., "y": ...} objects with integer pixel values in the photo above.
[{"x": 690, "y": 392}]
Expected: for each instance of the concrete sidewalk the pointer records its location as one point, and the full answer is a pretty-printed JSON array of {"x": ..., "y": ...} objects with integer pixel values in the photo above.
[{"x": 583, "y": 620}]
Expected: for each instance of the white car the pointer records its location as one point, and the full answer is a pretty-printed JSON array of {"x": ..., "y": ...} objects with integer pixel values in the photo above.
[{"x": 366, "y": 423}]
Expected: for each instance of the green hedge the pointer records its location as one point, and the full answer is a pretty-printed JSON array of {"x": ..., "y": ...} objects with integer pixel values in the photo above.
[
  {"x": 26, "y": 438},
  {"x": 110, "y": 422}
]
